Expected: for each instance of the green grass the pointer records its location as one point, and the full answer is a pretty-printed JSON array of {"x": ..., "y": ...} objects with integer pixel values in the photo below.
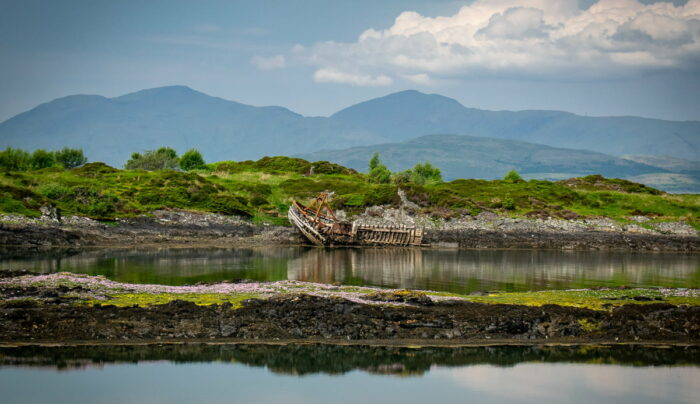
[{"x": 262, "y": 191}]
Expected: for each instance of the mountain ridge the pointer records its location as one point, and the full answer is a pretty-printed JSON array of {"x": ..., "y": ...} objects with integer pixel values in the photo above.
[{"x": 110, "y": 129}]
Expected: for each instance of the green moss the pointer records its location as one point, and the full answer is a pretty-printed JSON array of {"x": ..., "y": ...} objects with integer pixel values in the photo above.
[
  {"x": 150, "y": 299},
  {"x": 602, "y": 299}
]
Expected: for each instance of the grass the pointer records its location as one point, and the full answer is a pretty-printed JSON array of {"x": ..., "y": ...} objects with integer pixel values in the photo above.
[{"x": 262, "y": 191}]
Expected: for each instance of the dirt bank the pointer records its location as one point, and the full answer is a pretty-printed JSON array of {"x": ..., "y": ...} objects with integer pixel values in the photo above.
[{"x": 484, "y": 231}]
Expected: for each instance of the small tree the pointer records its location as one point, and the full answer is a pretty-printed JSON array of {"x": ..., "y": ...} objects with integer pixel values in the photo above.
[
  {"x": 42, "y": 159},
  {"x": 70, "y": 158},
  {"x": 378, "y": 172},
  {"x": 14, "y": 160},
  {"x": 512, "y": 176},
  {"x": 192, "y": 160},
  {"x": 164, "y": 158},
  {"x": 425, "y": 173}
]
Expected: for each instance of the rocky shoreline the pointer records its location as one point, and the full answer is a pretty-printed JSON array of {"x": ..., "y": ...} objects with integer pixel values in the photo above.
[
  {"x": 483, "y": 231},
  {"x": 69, "y": 307}
]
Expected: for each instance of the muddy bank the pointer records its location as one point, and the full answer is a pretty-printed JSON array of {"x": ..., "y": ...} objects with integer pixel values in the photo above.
[
  {"x": 484, "y": 231},
  {"x": 66, "y": 309}
]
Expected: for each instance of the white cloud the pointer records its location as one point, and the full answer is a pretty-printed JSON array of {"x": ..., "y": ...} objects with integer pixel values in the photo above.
[
  {"x": 269, "y": 63},
  {"x": 525, "y": 37},
  {"x": 329, "y": 75}
]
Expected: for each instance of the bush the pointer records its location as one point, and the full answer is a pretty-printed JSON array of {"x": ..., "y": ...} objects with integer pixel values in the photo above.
[
  {"x": 425, "y": 174},
  {"x": 512, "y": 176},
  {"x": 54, "y": 191},
  {"x": 378, "y": 172},
  {"x": 14, "y": 160},
  {"x": 192, "y": 160},
  {"x": 70, "y": 158},
  {"x": 42, "y": 159},
  {"x": 164, "y": 158}
]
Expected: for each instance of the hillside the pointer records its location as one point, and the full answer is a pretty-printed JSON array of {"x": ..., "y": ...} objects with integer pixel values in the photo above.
[
  {"x": 110, "y": 129},
  {"x": 262, "y": 190},
  {"x": 487, "y": 158},
  {"x": 408, "y": 114}
]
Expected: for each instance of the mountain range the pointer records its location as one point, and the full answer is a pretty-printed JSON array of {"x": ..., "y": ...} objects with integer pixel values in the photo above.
[{"x": 537, "y": 142}]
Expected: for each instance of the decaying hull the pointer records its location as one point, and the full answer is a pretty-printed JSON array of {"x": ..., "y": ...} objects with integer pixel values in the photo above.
[{"x": 318, "y": 224}]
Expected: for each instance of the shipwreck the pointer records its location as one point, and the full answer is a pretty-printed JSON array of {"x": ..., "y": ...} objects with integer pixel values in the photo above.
[{"x": 318, "y": 223}]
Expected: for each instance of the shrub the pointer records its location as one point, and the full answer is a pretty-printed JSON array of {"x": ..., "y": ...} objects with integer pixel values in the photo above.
[
  {"x": 152, "y": 160},
  {"x": 378, "y": 172},
  {"x": 14, "y": 160},
  {"x": 70, "y": 158},
  {"x": 425, "y": 174},
  {"x": 42, "y": 159},
  {"x": 54, "y": 191},
  {"x": 512, "y": 176},
  {"x": 192, "y": 160}
]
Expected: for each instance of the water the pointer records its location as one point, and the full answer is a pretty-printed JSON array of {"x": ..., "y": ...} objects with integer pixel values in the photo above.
[
  {"x": 461, "y": 271},
  {"x": 349, "y": 374}
]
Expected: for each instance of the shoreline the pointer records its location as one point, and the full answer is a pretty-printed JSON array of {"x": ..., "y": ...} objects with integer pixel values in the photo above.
[
  {"x": 179, "y": 228},
  {"x": 67, "y": 307}
]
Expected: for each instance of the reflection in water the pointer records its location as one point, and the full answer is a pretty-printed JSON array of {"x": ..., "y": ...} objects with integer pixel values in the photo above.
[
  {"x": 460, "y": 271},
  {"x": 327, "y": 373},
  {"x": 301, "y": 359}
]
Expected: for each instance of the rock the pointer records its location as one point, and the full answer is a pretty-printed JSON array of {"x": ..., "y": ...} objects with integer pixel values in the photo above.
[{"x": 50, "y": 213}]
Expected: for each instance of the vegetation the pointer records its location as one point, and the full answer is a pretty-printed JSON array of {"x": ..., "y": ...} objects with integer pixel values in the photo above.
[
  {"x": 378, "y": 173},
  {"x": 263, "y": 189},
  {"x": 12, "y": 160},
  {"x": 70, "y": 158},
  {"x": 421, "y": 174},
  {"x": 164, "y": 158},
  {"x": 512, "y": 176},
  {"x": 192, "y": 160}
]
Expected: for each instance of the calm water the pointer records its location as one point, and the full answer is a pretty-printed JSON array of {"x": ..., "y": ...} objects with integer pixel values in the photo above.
[
  {"x": 460, "y": 271},
  {"x": 344, "y": 374}
]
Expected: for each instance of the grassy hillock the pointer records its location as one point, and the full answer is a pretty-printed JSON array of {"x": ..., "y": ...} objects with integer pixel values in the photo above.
[{"x": 262, "y": 190}]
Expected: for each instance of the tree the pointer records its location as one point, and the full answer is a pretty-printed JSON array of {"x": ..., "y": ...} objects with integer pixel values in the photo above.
[
  {"x": 164, "y": 158},
  {"x": 42, "y": 159},
  {"x": 425, "y": 174},
  {"x": 378, "y": 172},
  {"x": 192, "y": 160},
  {"x": 512, "y": 176},
  {"x": 70, "y": 158},
  {"x": 14, "y": 160}
]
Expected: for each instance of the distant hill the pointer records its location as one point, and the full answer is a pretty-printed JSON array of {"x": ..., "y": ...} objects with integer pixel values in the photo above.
[
  {"x": 487, "y": 158},
  {"x": 409, "y": 114},
  {"x": 674, "y": 164},
  {"x": 110, "y": 129}
]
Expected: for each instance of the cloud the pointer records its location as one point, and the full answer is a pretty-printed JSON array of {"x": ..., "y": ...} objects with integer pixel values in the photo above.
[
  {"x": 269, "y": 63},
  {"x": 329, "y": 75},
  {"x": 517, "y": 37}
]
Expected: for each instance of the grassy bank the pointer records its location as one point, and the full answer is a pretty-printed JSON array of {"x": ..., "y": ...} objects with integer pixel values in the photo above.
[{"x": 263, "y": 189}]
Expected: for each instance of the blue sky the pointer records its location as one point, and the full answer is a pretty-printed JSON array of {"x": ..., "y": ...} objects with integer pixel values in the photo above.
[{"x": 606, "y": 57}]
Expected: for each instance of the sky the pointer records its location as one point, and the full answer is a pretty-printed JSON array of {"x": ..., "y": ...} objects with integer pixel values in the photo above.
[{"x": 315, "y": 57}]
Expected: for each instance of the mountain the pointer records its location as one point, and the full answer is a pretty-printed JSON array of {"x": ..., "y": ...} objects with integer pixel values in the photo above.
[
  {"x": 408, "y": 114},
  {"x": 110, "y": 129},
  {"x": 479, "y": 157}
]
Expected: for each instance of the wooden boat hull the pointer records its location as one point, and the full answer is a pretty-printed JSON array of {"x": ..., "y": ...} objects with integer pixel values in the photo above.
[{"x": 323, "y": 230}]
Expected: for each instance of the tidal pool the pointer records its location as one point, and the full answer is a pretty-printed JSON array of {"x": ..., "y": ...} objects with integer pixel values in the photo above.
[
  {"x": 460, "y": 271},
  {"x": 349, "y": 374}
]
